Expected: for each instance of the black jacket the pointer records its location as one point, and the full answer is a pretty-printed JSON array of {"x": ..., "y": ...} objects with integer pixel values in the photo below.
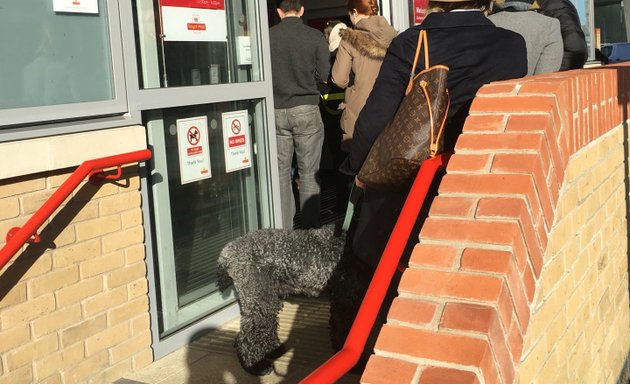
[
  {"x": 299, "y": 60},
  {"x": 476, "y": 52},
  {"x": 575, "y": 48}
]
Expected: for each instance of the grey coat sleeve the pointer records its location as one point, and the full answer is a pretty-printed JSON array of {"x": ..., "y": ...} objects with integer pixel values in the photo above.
[{"x": 551, "y": 55}]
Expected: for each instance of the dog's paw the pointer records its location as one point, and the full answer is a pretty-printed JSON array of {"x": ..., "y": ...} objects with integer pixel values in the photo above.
[
  {"x": 261, "y": 368},
  {"x": 278, "y": 352}
]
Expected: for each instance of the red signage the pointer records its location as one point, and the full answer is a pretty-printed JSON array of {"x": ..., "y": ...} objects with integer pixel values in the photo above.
[
  {"x": 419, "y": 10},
  {"x": 196, "y": 26},
  {"x": 203, "y": 4},
  {"x": 236, "y": 141},
  {"x": 192, "y": 151}
]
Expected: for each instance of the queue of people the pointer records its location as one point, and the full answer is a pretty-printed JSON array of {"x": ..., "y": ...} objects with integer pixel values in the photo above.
[{"x": 372, "y": 62}]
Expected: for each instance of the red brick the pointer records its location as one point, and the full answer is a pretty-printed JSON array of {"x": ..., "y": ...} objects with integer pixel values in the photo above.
[
  {"x": 453, "y": 206},
  {"x": 528, "y": 122},
  {"x": 515, "y": 341},
  {"x": 493, "y": 142},
  {"x": 512, "y": 104},
  {"x": 499, "y": 87},
  {"x": 412, "y": 311},
  {"x": 505, "y": 305},
  {"x": 518, "y": 123},
  {"x": 469, "y": 163},
  {"x": 486, "y": 260},
  {"x": 430, "y": 345},
  {"x": 451, "y": 284},
  {"x": 527, "y": 164},
  {"x": 515, "y": 208},
  {"x": 468, "y": 317},
  {"x": 481, "y": 232},
  {"x": 492, "y": 184},
  {"x": 434, "y": 255},
  {"x": 500, "y": 262},
  {"x": 490, "y": 123},
  {"x": 438, "y": 375},
  {"x": 542, "y": 232},
  {"x": 540, "y": 86},
  {"x": 483, "y": 319},
  {"x": 488, "y": 368},
  {"x": 381, "y": 370}
]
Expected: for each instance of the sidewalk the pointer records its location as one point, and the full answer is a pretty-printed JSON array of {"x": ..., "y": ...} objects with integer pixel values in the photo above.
[{"x": 212, "y": 358}]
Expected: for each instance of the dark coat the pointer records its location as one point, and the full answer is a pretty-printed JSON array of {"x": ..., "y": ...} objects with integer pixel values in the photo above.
[
  {"x": 575, "y": 48},
  {"x": 299, "y": 60},
  {"x": 476, "y": 52}
]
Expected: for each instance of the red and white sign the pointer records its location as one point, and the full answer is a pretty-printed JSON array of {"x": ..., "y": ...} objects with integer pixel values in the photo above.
[
  {"x": 237, "y": 141},
  {"x": 76, "y": 6},
  {"x": 194, "y": 152},
  {"x": 419, "y": 10},
  {"x": 194, "y": 20}
]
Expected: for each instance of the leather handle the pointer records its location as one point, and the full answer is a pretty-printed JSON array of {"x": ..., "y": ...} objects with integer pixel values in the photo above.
[{"x": 422, "y": 40}]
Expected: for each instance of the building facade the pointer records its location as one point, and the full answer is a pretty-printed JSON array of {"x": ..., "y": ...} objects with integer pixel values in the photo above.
[{"x": 125, "y": 271}]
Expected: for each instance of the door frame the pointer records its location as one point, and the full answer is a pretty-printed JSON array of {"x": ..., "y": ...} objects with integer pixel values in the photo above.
[{"x": 141, "y": 100}]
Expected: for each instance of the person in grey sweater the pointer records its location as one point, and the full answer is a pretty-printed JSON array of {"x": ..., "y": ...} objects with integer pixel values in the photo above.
[
  {"x": 299, "y": 60},
  {"x": 541, "y": 33}
]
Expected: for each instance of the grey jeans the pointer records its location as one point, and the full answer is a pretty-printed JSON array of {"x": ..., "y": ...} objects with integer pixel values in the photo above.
[{"x": 300, "y": 129}]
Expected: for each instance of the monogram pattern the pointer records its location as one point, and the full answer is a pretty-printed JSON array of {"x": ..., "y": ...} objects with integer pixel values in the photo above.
[{"x": 404, "y": 144}]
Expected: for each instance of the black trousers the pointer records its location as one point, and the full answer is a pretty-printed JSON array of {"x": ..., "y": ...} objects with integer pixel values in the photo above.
[{"x": 366, "y": 239}]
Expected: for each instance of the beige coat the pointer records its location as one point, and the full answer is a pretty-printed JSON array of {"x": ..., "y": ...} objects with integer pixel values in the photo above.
[{"x": 360, "y": 54}]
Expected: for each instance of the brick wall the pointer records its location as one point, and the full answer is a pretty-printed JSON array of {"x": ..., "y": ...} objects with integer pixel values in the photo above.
[
  {"x": 521, "y": 273},
  {"x": 74, "y": 308}
]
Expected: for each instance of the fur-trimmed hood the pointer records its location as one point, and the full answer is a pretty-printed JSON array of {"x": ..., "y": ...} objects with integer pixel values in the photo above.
[{"x": 371, "y": 36}]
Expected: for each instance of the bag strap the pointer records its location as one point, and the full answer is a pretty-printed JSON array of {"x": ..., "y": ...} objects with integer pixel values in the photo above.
[
  {"x": 422, "y": 39},
  {"x": 355, "y": 196}
]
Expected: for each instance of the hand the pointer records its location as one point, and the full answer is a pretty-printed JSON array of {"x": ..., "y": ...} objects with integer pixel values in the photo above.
[{"x": 358, "y": 182}]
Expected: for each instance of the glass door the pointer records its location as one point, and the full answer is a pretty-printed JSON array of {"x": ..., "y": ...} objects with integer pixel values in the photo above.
[
  {"x": 196, "y": 218},
  {"x": 211, "y": 178}
]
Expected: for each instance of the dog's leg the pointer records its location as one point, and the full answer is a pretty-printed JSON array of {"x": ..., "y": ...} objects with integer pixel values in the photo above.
[{"x": 259, "y": 322}]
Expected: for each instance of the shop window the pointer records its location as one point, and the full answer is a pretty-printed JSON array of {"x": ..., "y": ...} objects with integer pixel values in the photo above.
[
  {"x": 197, "y": 42},
  {"x": 57, "y": 54}
]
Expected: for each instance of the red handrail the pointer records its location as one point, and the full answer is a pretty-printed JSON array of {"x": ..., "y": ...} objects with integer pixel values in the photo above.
[
  {"x": 340, "y": 363},
  {"x": 17, "y": 237}
]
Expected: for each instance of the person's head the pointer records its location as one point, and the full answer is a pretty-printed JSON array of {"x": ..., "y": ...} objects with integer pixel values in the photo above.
[
  {"x": 451, "y": 5},
  {"x": 361, "y": 9},
  {"x": 290, "y": 8},
  {"x": 518, "y": 5}
]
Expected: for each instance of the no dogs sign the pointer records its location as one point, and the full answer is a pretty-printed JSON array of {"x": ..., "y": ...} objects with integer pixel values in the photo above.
[
  {"x": 194, "y": 154},
  {"x": 236, "y": 141}
]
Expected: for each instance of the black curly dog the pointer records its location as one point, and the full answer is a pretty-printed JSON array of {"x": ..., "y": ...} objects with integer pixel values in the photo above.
[{"x": 268, "y": 265}]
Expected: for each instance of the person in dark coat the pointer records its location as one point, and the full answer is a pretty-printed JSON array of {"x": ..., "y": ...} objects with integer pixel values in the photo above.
[
  {"x": 575, "y": 48},
  {"x": 477, "y": 52}
]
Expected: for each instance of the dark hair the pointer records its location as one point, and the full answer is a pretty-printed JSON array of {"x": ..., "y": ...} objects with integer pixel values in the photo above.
[
  {"x": 447, "y": 6},
  {"x": 289, "y": 5},
  {"x": 364, "y": 7}
]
